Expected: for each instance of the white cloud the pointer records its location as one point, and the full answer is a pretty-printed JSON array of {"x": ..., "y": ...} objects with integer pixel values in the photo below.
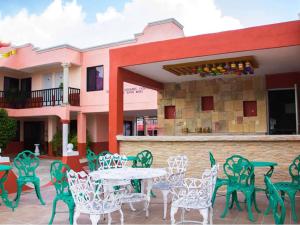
[{"x": 62, "y": 23}]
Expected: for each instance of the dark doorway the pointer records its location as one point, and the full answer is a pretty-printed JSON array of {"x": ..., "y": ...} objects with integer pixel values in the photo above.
[
  {"x": 26, "y": 84},
  {"x": 128, "y": 128},
  {"x": 282, "y": 112},
  {"x": 34, "y": 134},
  {"x": 11, "y": 84},
  {"x": 26, "y": 87}
]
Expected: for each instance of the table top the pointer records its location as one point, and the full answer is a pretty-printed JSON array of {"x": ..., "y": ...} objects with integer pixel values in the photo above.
[
  {"x": 5, "y": 167},
  {"x": 128, "y": 173},
  {"x": 263, "y": 164},
  {"x": 131, "y": 157}
]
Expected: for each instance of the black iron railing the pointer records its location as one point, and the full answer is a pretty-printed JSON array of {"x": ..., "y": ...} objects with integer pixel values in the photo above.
[{"x": 38, "y": 98}]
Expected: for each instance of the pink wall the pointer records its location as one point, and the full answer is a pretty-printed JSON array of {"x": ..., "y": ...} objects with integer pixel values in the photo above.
[
  {"x": 27, "y": 57},
  {"x": 135, "y": 98},
  {"x": 41, "y": 61}
]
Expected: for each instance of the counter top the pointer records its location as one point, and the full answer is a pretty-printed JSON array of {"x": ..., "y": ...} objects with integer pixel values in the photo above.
[{"x": 211, "y": 138}]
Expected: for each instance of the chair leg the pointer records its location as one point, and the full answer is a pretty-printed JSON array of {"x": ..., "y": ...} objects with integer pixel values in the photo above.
[
  {"x": 226, "y": 205},
  {"x": 121, "y": 217},
  {"x": 292, "y": 195},
  {"x": 53, "y": 211},
  {"x": 71, "y": 212},
  {"x": 234, "y": 199},
  {"x": 214, "y": 195},
  {"x": 109, "y": 219},
  {"x": 204, "y": 213},
  {"x": 76, "y": 216},
  {"x": 249, "y": 205},
  {"x": 131, "y": 207},
  {"x": 255, "y": 203},
  {"x": 147, "y": 208},
  {"x": 182, "y": 215},
  {"x": 19, "y": 192},
  {"x": 38, "y": 192},
  {"x": 95, "y": 218},
  {"x": 268, "y": 209},
  {"x": 165, "y": 194},
  {"x": 172, "y": 214},
  {"x": 211, "y": 212}
]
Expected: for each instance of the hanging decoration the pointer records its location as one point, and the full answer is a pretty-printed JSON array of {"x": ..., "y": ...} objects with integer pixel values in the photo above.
[
  {"x": 8, "y": 54},
  {"x": 4, "y": 44},
  {"x": 237, "y": 66}
]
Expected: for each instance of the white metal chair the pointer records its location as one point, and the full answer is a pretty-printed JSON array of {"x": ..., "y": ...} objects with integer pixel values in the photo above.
[
  {"x": 174, "y": 178},
  {"x": 196, "y": 194},
  {"x": 115, "y": 161},
  {"x": 90, "y": 198}
]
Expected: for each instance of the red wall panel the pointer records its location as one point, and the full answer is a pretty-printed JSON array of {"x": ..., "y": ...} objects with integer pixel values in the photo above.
[
  {"x": 250, "y": 108},
  {"x": 207, "y": 103},
  {"x": 170, "y": 112}
]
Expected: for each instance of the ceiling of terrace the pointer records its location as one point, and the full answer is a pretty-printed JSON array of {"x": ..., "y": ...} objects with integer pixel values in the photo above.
[{"x": 270, "y": 61}]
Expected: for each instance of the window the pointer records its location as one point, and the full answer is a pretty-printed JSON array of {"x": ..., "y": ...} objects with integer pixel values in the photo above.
[
  {"x": 95, "y": 78},
  {"x": 250, "y": 108},
  {"x": 207, "y": 103},
  {"x": 149, "y": 122},
  {"x": 170, "y": 112}
]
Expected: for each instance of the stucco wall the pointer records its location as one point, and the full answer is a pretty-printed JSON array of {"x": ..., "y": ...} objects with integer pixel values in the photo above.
[{"x": 227, "y": 116}]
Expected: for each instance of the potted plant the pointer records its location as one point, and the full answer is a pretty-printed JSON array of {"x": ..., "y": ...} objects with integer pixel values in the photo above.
[{"x": 8, "y": 128}]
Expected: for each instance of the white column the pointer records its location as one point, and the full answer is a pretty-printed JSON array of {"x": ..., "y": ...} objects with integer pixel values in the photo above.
[
  {"x": 146, "y": 126},
  {"x": 65, "y": 82},
  {"x": 65, "y": 133}
]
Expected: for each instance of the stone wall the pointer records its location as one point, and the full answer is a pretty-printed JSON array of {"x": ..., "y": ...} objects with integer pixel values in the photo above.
[
  {"x": 282, "y": 152},
  {"x": 227, "y": 116}
]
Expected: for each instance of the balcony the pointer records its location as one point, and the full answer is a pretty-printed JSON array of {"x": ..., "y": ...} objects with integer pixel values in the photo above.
[{"x": 38, "y": 98}]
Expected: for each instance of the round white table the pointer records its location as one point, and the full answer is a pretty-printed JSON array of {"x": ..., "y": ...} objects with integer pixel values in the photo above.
[{"x": 112, "y": 177}]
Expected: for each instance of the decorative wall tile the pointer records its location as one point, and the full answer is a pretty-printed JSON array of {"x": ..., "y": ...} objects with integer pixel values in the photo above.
[{"x": 229, "y": 95}]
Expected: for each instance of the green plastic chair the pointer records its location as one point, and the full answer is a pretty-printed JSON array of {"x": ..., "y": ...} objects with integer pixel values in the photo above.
[
  {"x": 93, "y": 159},
  {"x": 58, "y": 172},
  {"x": 291, "y": 188},
  {"x": 220, "y": 181},
  {"x": 27, "y": 162},
  {"x": 144, "y": 159},
  {"x": 240, "y": 173},
  {"x": 276, "y": 203}
]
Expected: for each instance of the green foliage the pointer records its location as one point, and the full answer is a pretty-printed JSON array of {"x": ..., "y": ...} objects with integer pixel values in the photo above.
[
  {"x": 57, "y": 142},
  {"x": 8, "y": 128}
]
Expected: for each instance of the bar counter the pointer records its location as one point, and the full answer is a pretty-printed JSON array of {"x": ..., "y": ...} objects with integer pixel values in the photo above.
[{"x": 281, "y": 149}]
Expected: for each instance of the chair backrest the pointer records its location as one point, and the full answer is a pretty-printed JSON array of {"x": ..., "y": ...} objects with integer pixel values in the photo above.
[
  {"x": 58, "y": 172},
  {"x": 200, "y": 191},
  {"x": 114, "y": 161},
  {"x": 89, "y": 196},
  {"x": 177, "y": 164},
  {"x": 212, "y": 159},
  {"x": 239, "y": 170},
  {"x": 294, "y": 170},
  {"x": 144, "y": 159},
  {"x": 93, "y": 162},
  {"x": 26, "y": 162},
  {"x": 275, "y": 202},
  {"x": 93, "y": 159}
]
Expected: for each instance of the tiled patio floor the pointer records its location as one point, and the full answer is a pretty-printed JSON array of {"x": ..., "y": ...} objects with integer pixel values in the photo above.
[{"x": 31, "y": 212}]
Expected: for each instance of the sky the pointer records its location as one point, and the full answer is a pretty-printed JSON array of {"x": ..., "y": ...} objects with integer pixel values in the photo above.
[{"x": 87, "y": 23}]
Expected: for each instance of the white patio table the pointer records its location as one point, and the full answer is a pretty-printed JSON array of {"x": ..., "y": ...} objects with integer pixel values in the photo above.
[{"x": 112, "y": 177}]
